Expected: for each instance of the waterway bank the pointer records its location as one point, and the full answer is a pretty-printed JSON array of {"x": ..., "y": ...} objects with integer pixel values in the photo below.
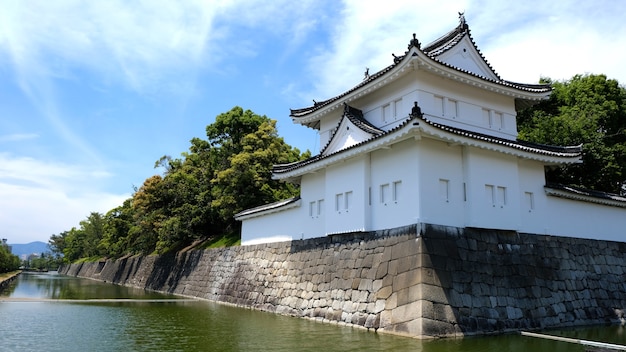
[
  {"x": 418, "y": 281},
  {"x": 6, "y": 279}
]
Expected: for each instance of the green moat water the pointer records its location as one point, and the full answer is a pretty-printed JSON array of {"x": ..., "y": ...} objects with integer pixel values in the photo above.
[{"x": 51, "y": 312}]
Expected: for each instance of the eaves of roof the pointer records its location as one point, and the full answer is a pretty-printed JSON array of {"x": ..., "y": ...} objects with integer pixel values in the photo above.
[
  {"x": 414, "y": 51},
  {"x": 355, "y": 116},
  {"x": 451, "y": 39},
  {"x": 567, "y": 154},
  {"x": 268, "y": 208},
  {"x": 581, "y": 194}
]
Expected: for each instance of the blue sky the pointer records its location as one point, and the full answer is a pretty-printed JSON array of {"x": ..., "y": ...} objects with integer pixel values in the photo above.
[{"x": 92, "y": 93}]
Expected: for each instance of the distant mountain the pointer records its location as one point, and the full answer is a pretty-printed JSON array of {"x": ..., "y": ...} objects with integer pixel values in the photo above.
[{"x": 37, "y": 247}]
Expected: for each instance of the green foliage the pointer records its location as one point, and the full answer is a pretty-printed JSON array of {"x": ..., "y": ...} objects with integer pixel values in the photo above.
[
  {"x": 45, "y": 261},
  {"x": 588, "y": 110},
  {"x": 197, "y": 195},
  {"x": 8, "y": 261}
]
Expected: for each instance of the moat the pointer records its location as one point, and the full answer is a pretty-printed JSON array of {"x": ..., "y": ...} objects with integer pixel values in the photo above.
[{"x": 51, "y": 312}]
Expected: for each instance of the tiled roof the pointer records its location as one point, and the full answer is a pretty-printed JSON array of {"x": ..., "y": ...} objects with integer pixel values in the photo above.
[
  {"x": 319, "y": 104},
  {"x": 282, "y": 168},
  {"x": 356, "y": 117},
  {"x": 547, "y": 150},
  {"x": 577, "y": 193},
  {"x": 451, "y": 39},
  {"x": 266, "y": 207},
  {"x": 567, "y": 151},
  {"x": 432, "y": 51}
]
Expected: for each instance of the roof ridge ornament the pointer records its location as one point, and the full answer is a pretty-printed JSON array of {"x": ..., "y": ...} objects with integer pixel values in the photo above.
[
  {"x": 415, "y": 43},
  {"x": 416, "y": 111},
  {"x": 462, "y": 22}
]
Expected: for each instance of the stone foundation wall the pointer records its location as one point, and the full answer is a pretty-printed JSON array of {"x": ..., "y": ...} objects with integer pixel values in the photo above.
[
  {"x": 4, "y": 283},
  {"x": 418, "y": 281}
]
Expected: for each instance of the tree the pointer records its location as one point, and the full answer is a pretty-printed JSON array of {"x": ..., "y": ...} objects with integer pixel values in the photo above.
[
  {"x": 197, "y": 195},
  {"x": 148, "y": 215},
  {"x": 93, "y": 229},
  {"x": 588, "y": 110},
  {"x": 8, "y": 261},
  {"x": 246, "y": 181},
  {"x": 117, "y": 225}
]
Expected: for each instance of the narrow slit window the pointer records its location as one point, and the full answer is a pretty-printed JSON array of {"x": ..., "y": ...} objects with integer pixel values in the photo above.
[
  {"x": 487, "y": 117},
  {"x": 396, "y": 191},
  {"x": 320, "y": 207},
  {"x": 348, "y": 200},
  {"x": 444, "y": 190},
  {"x": 530, "y": 201},
  {"x": 384, "y": 193},
  {"x": 397, "y": 108},
  {"x": 498, "y": 122},
  {"x": 490, "y": 195},
  {"x": 312, "y": 209},
  {"x": 439, "y": 110},
  {"x": 338, "y": 201},
  {"x": 387, "y": 113},
  {"x": 452, "y": 108},
  {"x": 501, "y": 196}
]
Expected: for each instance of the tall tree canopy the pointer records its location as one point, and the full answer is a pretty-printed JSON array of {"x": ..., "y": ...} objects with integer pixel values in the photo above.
[
  {"x": 197, "y": 195},
  {"x": 588, "y": 110}
]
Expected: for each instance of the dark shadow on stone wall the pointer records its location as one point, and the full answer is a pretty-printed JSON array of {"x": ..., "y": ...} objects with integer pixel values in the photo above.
[
  {"x": 168, "y": 269},
  {"x": 498, "y": 281}
]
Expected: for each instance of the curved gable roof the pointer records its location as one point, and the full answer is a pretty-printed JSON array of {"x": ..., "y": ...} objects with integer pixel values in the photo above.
[
  {"x": 450, "y": 40},
  {"x": 418, "y": 124},
  {"x": 431, "y": 54},
  {"x": 343, "y": 137}
]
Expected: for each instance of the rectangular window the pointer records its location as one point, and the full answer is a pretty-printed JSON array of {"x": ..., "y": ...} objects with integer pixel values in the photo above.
[
  {"x": 487, "y": 117},
  {"x": 498, "y": 122},
  {"x": 387, "y": 113},
  {"x": 501, "y": 196},
  {"x": 397, "y": 108},
  {"x": 320, "y": 207},
  {"x": 490, "y": 195},
  {"x": 444, "y": 190},
  {"x": 338, "y": 201},
  {"x": 439, "y": 110},
  {"x": 529, "y": 199},
  {"x": 312, "y": 209},
  {"x": 452, "y": 108},
  {"x": 397, "y": 188},
  {"x": 384, "y": 193},
  {"x": 348, "y": 200},
  {"x": 369, "y": 196}
]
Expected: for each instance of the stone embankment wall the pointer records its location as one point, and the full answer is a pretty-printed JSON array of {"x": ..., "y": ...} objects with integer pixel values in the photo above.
[
  {"x": 4, "y": 283},
  {"x": 418, "y": 281}
]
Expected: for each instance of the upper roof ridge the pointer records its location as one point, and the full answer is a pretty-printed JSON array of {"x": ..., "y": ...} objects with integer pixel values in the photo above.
[{"x": 432, "y": 51}]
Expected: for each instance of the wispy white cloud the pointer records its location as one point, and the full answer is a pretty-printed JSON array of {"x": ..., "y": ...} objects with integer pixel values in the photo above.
[
  {"x": 522, "y": 40},
  {"x": 368, "y": 32},
  {"x": 39, "y": 198},
  {"x": 17, "y": 137}
]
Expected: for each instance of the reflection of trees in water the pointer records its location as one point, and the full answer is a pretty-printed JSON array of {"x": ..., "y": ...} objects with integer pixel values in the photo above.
[
  {"x": 8, "y": 289},
  {"x": 54, "y": 286}
]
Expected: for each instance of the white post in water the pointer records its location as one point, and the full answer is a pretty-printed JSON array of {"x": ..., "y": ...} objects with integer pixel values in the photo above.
[{"x": 577, "y": 341}]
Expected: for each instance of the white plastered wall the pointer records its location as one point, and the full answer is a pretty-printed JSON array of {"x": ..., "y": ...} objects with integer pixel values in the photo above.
[
  {"x": 395, "y": 198},
  {"x": 314, "y": 204},
  {"x": 441, "y": 183},
  {"x": 345, "y": 193},
  {"x": 492, "y": 189},
  {"x": 274, "y": 227}
]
